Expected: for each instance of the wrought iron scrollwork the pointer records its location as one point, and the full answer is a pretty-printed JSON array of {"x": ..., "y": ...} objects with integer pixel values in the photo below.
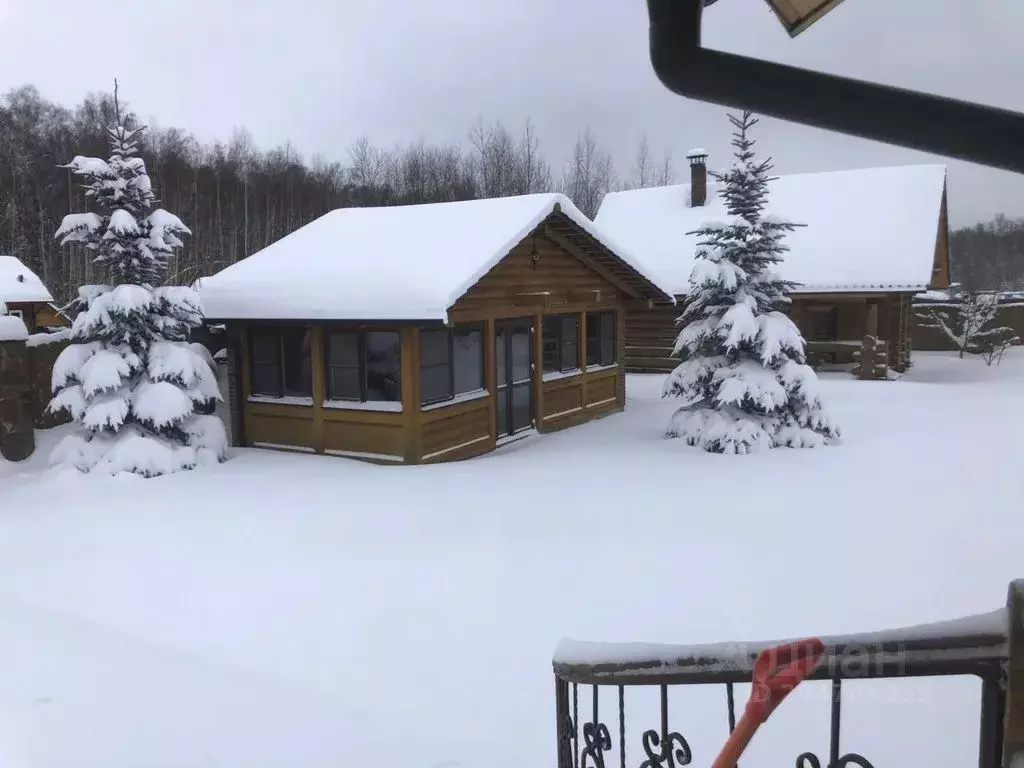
[
  {"x": 810, "y": 760},
  {"x": 669, "y": 751},
  {"x": 597, "y": 741}
]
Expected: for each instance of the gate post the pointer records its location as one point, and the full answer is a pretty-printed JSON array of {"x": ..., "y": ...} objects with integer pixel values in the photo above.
[
  {"x": 1013, "y": 728},
  {"x": 17, "y": 425}
]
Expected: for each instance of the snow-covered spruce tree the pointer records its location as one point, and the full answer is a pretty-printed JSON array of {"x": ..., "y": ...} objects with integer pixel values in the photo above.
[
  {"x": 743, "y": 373},
  {"x": 130, "y": 377}
]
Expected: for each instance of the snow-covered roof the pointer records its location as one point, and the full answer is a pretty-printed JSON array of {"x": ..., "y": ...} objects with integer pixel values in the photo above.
[
  {"x": 866, "y": 229},
  {"x": 390, "y": 263},
  {"x": 18, "y": 283}
]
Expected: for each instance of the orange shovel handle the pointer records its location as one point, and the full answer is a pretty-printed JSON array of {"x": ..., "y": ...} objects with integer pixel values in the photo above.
[{"x": 777, "y": 672}]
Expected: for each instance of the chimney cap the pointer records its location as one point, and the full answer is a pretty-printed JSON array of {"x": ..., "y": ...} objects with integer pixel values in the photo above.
[{"x": 697, "y": 154}]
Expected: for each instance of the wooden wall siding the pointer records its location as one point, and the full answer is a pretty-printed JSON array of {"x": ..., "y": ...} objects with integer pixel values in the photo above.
[
  {"x": 602, "y": 388},
  {"x": 458, "y": 431},
  {"x": 562, "y": 398},
  {"x": 566, "y": 406},
  {"x": 28, "y": 313},
  {"x": 557, "y": 277},
  {"x": 47, "y": 316},
  {"x": 372, "y": 435},
  {"x": 38, "y": 315},
  {"x": 650, "y": 332},
  {"x": 649, "y": 337},
  {"x": 280, "y": 426}
]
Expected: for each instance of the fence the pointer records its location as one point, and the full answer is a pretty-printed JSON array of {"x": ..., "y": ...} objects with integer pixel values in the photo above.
[
  {"x": 989, "y": 647},
  {"x": 41, "y": 354},
  {"x": 1011, "y": 314}
]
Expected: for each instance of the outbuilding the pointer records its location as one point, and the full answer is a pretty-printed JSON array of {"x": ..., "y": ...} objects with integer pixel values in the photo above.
[
  {"x": 426, "y": 333},
  {"x": 871, "y": 239}
]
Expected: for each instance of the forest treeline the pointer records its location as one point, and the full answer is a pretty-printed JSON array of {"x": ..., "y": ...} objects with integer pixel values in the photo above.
[
  {"x": 990, "y": 255},
  {"x": 237, "y": 198}
]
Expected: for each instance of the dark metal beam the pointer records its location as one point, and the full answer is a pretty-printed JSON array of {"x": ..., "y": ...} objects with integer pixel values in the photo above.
[{"x": 949, "y": 127}]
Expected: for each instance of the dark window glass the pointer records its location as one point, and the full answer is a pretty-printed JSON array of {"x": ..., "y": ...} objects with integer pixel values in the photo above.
[
  {"x": 468, "y": 359},
  {"x": 520, "y": 353},
  {"x": 504, "y": 428},
  {"x": 383, "y": 350},
  {"x": 298, "y": 370},
  {"x": 560, "y": 343},
  {"x": 343, "y": 381},
  {"x": 521, "y": 417},
  {"x": 600, "y": 338},
  {"x": 608, "y": 339},
  {"x": 435, "y": 366},
  {"x": 499, "y": 354},
  {"x": 265, "y": 362},
  {"x": 569, "y": 343},
  {"x": 549, "y": 344}
]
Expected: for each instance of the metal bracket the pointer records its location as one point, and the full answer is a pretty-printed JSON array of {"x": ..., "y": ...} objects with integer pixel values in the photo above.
[{"x": 959, "y": 129}]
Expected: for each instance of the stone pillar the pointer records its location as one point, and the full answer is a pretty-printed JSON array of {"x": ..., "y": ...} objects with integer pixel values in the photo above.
[{"x": 17, "y": 428}]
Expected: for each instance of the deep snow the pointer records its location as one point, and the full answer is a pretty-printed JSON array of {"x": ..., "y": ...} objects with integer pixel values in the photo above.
[{"x": 309, "y": 611}]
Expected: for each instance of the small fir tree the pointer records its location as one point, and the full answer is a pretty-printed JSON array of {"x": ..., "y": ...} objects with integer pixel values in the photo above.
[
  {"x": 130, "y": 377},
  {"x": 743, "y": 373}
]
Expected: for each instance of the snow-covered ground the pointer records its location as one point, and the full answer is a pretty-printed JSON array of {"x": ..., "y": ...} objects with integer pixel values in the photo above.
[{"x": 305, "y": 611}]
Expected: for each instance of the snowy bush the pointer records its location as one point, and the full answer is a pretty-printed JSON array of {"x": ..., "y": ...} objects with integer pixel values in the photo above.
[
  {"x": 743, "y": 373},
  {"x": 968, "y": 325},
  {"x": 131, "y": 378}
]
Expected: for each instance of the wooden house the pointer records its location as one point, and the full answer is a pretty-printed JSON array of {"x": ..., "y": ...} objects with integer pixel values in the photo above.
[
  {"x": 27, "y": 297},
  {"x": 426, "y": 333},
  {"x": 871, "y": 240}
]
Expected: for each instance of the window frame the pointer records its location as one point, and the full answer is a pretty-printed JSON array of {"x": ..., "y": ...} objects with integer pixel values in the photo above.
[
  {"x": 449, "y": 332},
  {"x": 329, "y": 366},
  {"x": 282, "y": 392},
  {"x": 360, "y": 334},
  {"x": 449, "y": 363},
  {"x": 602, "y": 316},
  {"x": 560, "y": 344}
]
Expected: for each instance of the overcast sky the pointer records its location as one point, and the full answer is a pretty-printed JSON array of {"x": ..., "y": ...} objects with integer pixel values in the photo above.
[{"x": 322, "y": 72}]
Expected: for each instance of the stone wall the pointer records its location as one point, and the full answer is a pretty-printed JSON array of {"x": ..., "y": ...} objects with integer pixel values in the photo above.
[{"x": 17, "y": 430}]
